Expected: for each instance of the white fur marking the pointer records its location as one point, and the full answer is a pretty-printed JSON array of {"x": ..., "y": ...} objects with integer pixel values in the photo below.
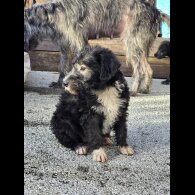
[
  {"x": 119, "y": 86},
  {"x": 109, "y": 98}
]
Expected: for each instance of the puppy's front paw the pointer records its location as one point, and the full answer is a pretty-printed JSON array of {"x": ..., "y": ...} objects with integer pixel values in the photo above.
[
  {"x": 81, "y": 150},
  {"x": 126, "y": 150},
  {"x": 99, "y": 155}
]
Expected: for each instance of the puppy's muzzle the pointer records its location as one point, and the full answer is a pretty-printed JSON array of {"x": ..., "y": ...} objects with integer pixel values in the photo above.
[
  {"x": 66, "y": 83},
  {"x": 72, "y": 75}
]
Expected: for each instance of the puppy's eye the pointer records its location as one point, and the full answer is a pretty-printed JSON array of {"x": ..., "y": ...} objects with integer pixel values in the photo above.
[{"x": 82, "y": 68}]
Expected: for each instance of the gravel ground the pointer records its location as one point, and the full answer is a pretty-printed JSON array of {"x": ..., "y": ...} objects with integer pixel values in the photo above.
[{"x": 50, "y": 168}]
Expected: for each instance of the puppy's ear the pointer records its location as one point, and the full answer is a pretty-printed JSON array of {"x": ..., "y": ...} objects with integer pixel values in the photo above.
[{"x": 109, "y": 65}]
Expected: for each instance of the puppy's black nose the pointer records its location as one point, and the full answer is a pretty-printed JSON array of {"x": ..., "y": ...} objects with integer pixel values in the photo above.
[{"x": 65, "y": 83}]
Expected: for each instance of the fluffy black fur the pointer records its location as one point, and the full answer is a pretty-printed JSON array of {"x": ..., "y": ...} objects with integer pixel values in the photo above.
[
  {"x": 164, "y": 51},
  {"x": 73, "y": 112},
  {"x": 83, "y": 119}
]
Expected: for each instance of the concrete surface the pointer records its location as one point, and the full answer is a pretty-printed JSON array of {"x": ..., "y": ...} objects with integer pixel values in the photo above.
[{"x": 50, "y": 168}]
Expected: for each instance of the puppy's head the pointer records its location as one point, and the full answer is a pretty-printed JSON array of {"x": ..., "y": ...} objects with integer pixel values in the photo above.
[
  {"x": 94, "y": 65},
  {"x": 163, "y": 50}
]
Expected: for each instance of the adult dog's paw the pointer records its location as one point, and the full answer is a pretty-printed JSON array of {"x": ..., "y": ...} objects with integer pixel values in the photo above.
[
  {"x": 99, "y": 155},
  {"x": 126, "y": 150},
  {"x": 133, "y": 93},
  {"x": 144, "y": 91}
]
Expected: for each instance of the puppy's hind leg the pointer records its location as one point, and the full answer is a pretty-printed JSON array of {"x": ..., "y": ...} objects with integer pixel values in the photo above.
[
  {"x": 67, "y": 133},
  {"x": 107, "y": 140},
  {"x": 81, "y": 149}
]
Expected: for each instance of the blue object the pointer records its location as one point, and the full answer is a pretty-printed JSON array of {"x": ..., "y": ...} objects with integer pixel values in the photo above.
[{"x": 164, "y": 6}]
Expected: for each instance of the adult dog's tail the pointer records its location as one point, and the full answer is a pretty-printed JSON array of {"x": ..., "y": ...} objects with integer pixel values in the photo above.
[{"x": 165, "y": 18}]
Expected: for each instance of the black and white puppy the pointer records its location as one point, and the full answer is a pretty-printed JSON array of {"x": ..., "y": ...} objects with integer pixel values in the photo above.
[
  {"x": 164, "y": 51},
  {"x": 95, "y": 101}
]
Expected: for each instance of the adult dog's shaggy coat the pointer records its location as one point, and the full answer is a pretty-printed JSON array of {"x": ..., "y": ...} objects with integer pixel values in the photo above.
[
  {"x": 95, "y": 101},
  {"x": 70, "y": 23}
]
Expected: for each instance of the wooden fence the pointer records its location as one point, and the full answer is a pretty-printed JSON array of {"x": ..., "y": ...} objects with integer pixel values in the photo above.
[{"x": 46, "y": 56}]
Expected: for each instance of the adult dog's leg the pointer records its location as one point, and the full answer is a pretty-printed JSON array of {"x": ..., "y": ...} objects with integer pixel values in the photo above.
[
  {"x": 120, "y": 129},
  {"x": 140, "y": 31},
  {"x": 133, "y": 55},
  {"x": 136, "y": 57},
  {"x": 137, "y": 77},
  {"x": 67, "y": 55},
  {"x": 147, "y": 73},
  {"x": 64, "y": 67}
]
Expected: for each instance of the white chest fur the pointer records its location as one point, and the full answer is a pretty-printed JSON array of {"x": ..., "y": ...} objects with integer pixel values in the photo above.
[{"x": 110, "y": 104}]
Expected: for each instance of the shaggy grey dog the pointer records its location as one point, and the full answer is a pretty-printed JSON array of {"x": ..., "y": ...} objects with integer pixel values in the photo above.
[{"x": 70, "y": 23}]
